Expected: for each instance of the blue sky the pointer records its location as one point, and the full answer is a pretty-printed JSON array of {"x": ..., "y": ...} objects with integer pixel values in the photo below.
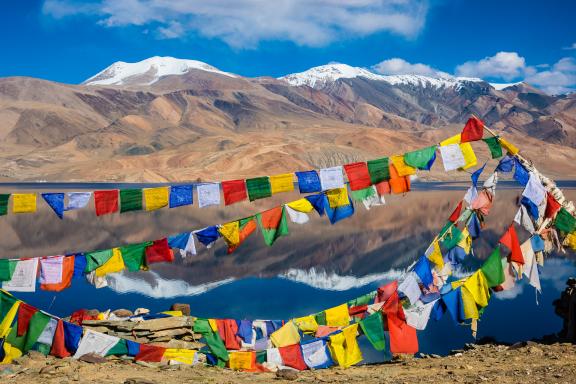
[{"x": 503, "y": 41}]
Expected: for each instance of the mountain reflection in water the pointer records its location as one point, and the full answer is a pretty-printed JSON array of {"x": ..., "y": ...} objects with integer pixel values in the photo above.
[{"x": 317, "y": 266}]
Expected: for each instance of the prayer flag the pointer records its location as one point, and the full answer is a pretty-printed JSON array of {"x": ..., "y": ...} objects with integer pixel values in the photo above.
[
  {"x": 383, "y": 188},
  {"x": 337, "y": 316},
  {"x": 477, "y": 285},
  {"x": 150, "y": 353},
  {"x": 494, "y": 146},
  {"x": 456, "y": 213},
  {"x": 306, "y": 324},
  {"x": 476, "y": 175},
  {"x": 315, "y": 353},
  {"x": 469, "y": 155},
  {"x": 25, "y": 313},
  {"x": 552, "y": 206},
  {"x": 112, "y": 265},
  {"x": 58, "y": 348},
  {"x": 96, "y": 259},
  {"x": 7, "y": 268},
  {"x": 80, "y": 264},
  {"x": 208, "y": 194},
  {"x": 4, "y": 197},
  {"x": 338, "y": 213},
  {"x": 564, "y": 221},
  {"x": 24, "y": 202},
  {"x": 184, "y": 242},
  {"x": 242, "y": 361},
  {"x": 373, "y": 328},
  {"x": 72, "y": 336},
  {"x": 397, "y": 183},
  {"x": 24, "y": 276},
  {"x": 506, "y": 164},
  {"x": 297, "y": 210},
  {"x": 363, "y": 194},
  {"x": 510, "y": 240},
  {"x": 228, "y": 329},
  {"x": 273, "y": 224},
  {"x": 258, "y": 188},
  {"x": 453, "y": 302},
  {"x": 521, "y": 174},
  {"x": 95, "y": 342},
  {"x": 296, "y": 216},
  {"x": 473, "y": 130},
  {"x": 410, "y": 288},
  {"x": 156, "y": 198},
  {"x": 130, "y": 200},
  {"x": 77, "y": 200},
  {"x": 282, "y": 183},
  {"x": 344, "y": 347},
  {"x": 379, "y": 170},
  {"x": 134, "y": 255},
  {"x": 234, "y": 191},
  {"x": 208, "y": 235},
  {"x": 417, "y": 315},
  {"x": 34, "y": 327},
  {"x": 401, "y": 167},
  {"x": 511, "y": 148},
  {"x": 308, "y": 182},
  {"x": 435, "y": 255},
  {"x": 530, "y": 268},
  {"x": 319, "y": 202},
  {"x": 421, "y": 159},
  {"x": 292, "y": 357},
  {"x": 358, "y": 175},
  {"x": 56, "y": 202},
  {"x": 106, "y": 202},
  {"x": 159, "y": 252},
  {"x": 182, "y": 356},
  {"x": 285, "y": 335},
  {"x": 331, "y": 178},
  {"x": 452, "y": 157},
  {"x": 452, "y": 238},
  {"x": 56, "y": 273},
  {"x": 337, "y": 197},
  {"x": 424, "y": 271},
  {"x": 180, "y": 195}
]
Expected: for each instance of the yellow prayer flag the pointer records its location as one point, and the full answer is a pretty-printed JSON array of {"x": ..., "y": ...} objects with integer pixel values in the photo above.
[
  {"x": 213, "y": 325},
  {"x": 307, "y": 324},
  {"x": 156, "y": 198},
  {"x": 508, "y": 146},
  {"x": 337, "y": 316},
  {"x": 344, "y": 347},
  {"x": 173, "y": 313},
  {"x": 301, "y": 205},
  {"x": 11, "y": 353},
  {"x": 24, "y": 202},
  {"x": 477, "y": 285},
  {"x": 402, "y": 168},
  {"x": 5, "y": 324},
  {"x": 242, "y": 361},
  {"x": 114, "y": 264},
  {"x": 469, "y": 155},
  {"x": 337, "y": 197},
  {"x": 470, "y": 308},
  {"x": 286, "y": 335},
  {"x": 436, "y": 255},
  {"x": 451, "y": 140},
  {"x": 231, "y": 233},
  {"x": 184, "y": 356},
  {"x": 570, "y": 241},
  {"x": 282, "y": 183},
  {"x": 466, "y": 241}
]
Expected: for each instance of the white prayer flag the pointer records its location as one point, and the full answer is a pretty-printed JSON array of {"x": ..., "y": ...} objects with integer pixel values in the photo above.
[
  {"x": 452, "y": 157},
  {"x": 24, "y": 277},
  {"x": 273, "y": 357},
  {"x": 523, "y": 218},
  {"x": 208, "y": 194},
  {"x": 47, "y": 334},
  {"x": 490, "y": 183},
  {"x": 95, "y": 342},
  {"x": 51, "y": 270},
  {"x": 374, "y": 200},
  {"x": 190, "y": 247},
  {"x": 77, "y": 200},
  {"x": 530, "y": 265},
  {"x": 314, "y": 354},
  {"x": 410, "y": 288},
  {"x": 295, "y": 216},
  {"x": 331, "y": 178},
  {"x": 534, "y": 190},
  {"x": 417, "y": 315}
]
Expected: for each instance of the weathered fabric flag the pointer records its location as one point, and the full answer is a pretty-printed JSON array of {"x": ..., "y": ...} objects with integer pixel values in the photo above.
[
  {"x": 379, "y": 170},
  {"x": 180, "y": 195},
  {"x": 77, "y": 200},
  {"x": 292, "y": 357},
  {"x": 358, "y": 175},
  {"x": 184, "y": 242},
  {"x": 282, "y": 183},
  {"x": 316, "y": 355},
  {"x": 494, "y": 146},
  {"x": 337, "y": 197},
  {"x": 234, "y": 191},
  {"x": 564, "y": 221},
  {"x": 56, "y": 202},
  {"x": 510, "y": 240},
  {"x": 344, "y": 347},
  {"x": 401, "y": 167},
  {"x": 331, "y": 178},
  {"x": 473, "y": 130},
  {"x": 259, "y": 188},
  {"x": 208, "y": 235},
  {"x": 134, "y": 256},
  {"x": 56, "y": 273},
  {"x": 106, "y": 202},
  {"x": 130, "y": 200},
  {"x": 452, "y": 157},
  {"x": 308, "y": 182},
  {"x": 156, "y": 198},
  {"x": 421, "y": 159},
  {"x": 373, "y": 328},
  {"x": 477, "y": 285},
  {"x": 273, "y": 224},
  {"x": 208, "y": 194},
  {"x": 24, "y": 202},
  {"x": 24, "y": 277},
  {"x": 159, "y": 252},
  {"x": 4, "y": 197}
]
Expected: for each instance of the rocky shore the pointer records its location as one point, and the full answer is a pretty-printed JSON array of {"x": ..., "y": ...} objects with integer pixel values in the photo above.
[{"x": 492, "y": 363}]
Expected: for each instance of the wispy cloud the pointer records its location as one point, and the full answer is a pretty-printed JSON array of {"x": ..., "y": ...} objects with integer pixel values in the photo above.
[
  {"x": 398, "y": 66},
  {"x": 570, "y": 47},
  {"x": 504, "y": 65},
  {"x": 245, "y": 23}
]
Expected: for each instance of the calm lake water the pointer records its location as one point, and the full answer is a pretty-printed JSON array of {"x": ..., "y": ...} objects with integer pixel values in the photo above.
[{"x": 317, "y": 266}]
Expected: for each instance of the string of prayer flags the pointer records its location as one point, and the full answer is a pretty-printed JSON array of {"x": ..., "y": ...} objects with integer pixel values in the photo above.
[
  {"x": 473, "y": 130},
  {"x": 282, "y": 183},
  {"x": 77, "y": 200},
  {"x": 4, "y": 197},
  {"x": 106, "y": 202},
  {"x": 421, "y": 159},
  {"x": 234, "y": 191},
  {"x": 308, "y": 182},
  {"x": 510, "y": 240},
  {"x": 56, "y": 202},
  {"x": 494, "y": 146},
  {"x": 208, "y": 194},
  {"x": 24, "y": 202},
  {"x": 358, "y": 175},
  {"x": 156, "y": 198},
  {"x": 273, "y": 224},
  {"x": 331, "y": 178},
  {"x": 258, "y": 188},
  {"x": 130, "y": 200},
  {"x": 180, "y": 195},
  {"x": 402, "y": 169}
]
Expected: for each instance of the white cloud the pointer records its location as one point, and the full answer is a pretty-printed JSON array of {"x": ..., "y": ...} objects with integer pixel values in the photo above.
[
  {"x": 397, "y": 66},
  {"x": 504, "y": 65},
  {"x": 560, "y": 78},
  {"x": 244, "y": 23}
]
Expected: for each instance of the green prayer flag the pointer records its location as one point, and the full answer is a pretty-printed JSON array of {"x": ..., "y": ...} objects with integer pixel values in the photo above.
[
  {"x": 452, "y": 238},
  {"x": 373, "y": 328},
  {"x": 216, "y": 345},
  {"x": 7, "y": 268},
  {"x": 379, "y": 170},
  {"x": 202, "y": 326},
  {"x": 368, "y": 298},
  {"x": 445, "y": 229},
  {"x": 4, "y": 197},
  {"x": 493, "y": 270},
  {"x": 362, "y": 194},
  {"x": 121, "y": 348},
  {"x": 277, "y": 229},
  {"x": 130, "y": 200},
  {"x": 43, "y": 348},
  {"x": 494, "y": 146},
  {"x": 261, "y": 357},
  {"x": 24, "y": 343},
  {"x": 420, "y": 158},
  {"x": 564, "y": 221},
  {"x": 96, "y": 259},
  {"x": 134, "y": 255},
  {"x": 6, "y": 303},
  {"x": 320, "y": 318},
  {"x": 258, "y": 188}
]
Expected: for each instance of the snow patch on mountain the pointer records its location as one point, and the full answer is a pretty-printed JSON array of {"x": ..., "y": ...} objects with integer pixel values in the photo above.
[{"x": 148, "y": 71}]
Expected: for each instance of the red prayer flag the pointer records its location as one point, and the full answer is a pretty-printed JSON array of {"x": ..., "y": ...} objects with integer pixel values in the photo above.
[
  {"x": 358, "y": 175},
  {"x": 510, "y": 240},
  {"x": 234, "y": 191},
  {"x": 403, "y": 338},
  {"x": 67, "y": 273},
  {"x": 473, "y": 130},
  {"x": 58, "y": 348},
  {"x": 270, "y": 219},
  {"x": 159, "y": 252},
  {"x": 386, "y": 291},
  {"x": 227, "y": 329},
  {"x": 383, "y": 188},
  {"x": 456, "y": 214},
  {"x": 150, "y": 353},
  {"x": 292, "y": 357},
  {"x": 25, "y": 313},
  {"x": 106, "y": 202},
  {"x": 552, "y": 206},
  {"x": 245, "y": 231}
]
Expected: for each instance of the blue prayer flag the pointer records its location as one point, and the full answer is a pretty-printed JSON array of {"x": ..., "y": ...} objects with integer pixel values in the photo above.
[
  {"x": 180, "y": 195},
  {"x": 338, "y": 213},
  {"x": 521, "y": 174},
  {"x": 72, "y": 336},
  {"x": 456, "y": 255},
  {"x": 530, "y": 206},
  {"x": 245, "y": 331},
  {"x": 79, "y": 265},
  {"x": 424, "y": 272},
  {"x": 537, "y": 243},
  {"x": 438, "y": 310},
  {"x": 179, "y": 241},
  {"x": 430, "y": 162},
  {"x": 453, "y": 302},
  {"x": 208, "y": 235},
  {"x": 474, "y": 226},
  {"x": 56, "y": 202},
  {"x": 133, "y": 347},
  {"x": 308, "y": 182},
  {"x": 476, "y": 175},
  {"x": 506, "y": 164},
  {"x": 317, "y": 202}
]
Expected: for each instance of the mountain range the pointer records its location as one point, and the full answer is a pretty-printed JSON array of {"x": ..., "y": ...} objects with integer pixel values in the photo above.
[{"x": 167, "y": 119}]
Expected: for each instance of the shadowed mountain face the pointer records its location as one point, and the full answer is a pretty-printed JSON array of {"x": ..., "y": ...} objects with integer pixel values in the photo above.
[{"x": 206, "y": 124}]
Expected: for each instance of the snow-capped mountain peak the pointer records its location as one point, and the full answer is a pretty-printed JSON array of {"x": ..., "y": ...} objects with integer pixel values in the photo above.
[{"x": 148, "y": 71}]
